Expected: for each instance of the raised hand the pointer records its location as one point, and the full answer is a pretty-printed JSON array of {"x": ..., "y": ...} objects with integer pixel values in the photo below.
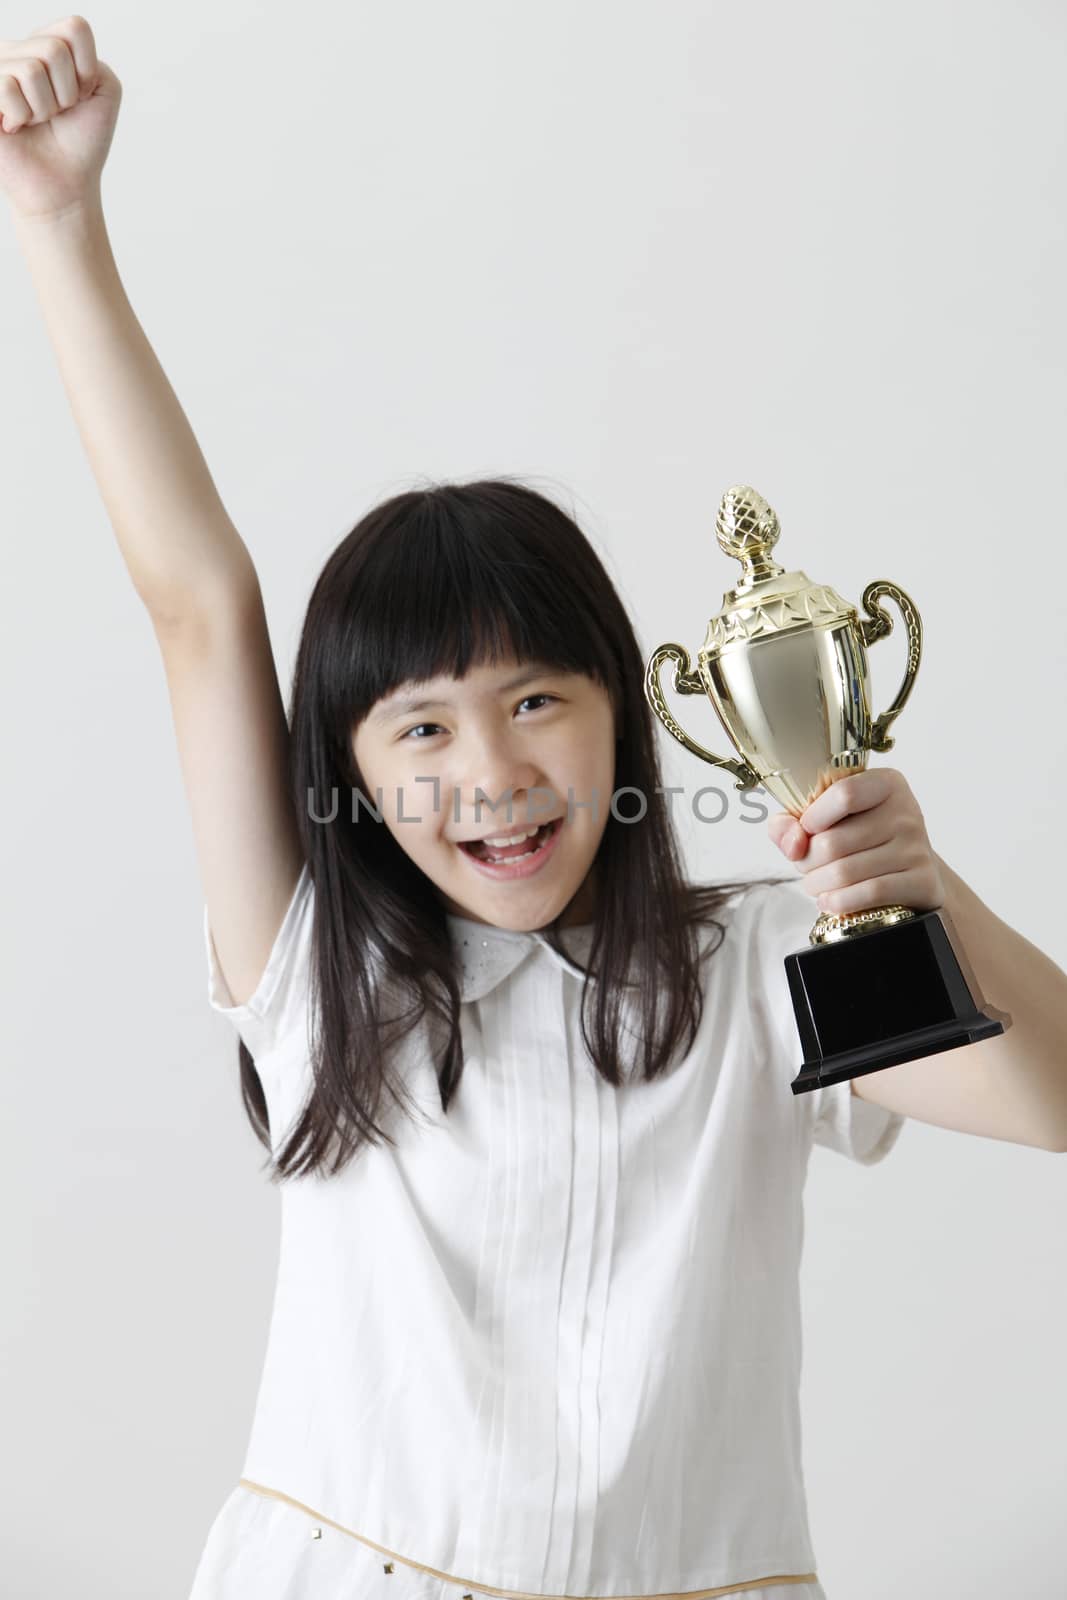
[
  {"x": 58, "y": 107},
  {"x": 861, "y": 844}
]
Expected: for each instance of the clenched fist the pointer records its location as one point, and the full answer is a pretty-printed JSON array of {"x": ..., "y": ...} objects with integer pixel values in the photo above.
[
  {"x": 861, "y": 844},
  {"x": 58, "y": 108}
]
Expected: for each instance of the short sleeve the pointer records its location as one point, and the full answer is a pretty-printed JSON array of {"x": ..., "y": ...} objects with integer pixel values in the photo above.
[
  {"x": 840, "y": 1120},
  {"x": 280, "y": 1001}
]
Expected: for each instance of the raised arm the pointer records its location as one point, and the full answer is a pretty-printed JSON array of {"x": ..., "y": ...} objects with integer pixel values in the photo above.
[
  {"x": 186, "y": 560},
  {"x": 175, "y": 535}
]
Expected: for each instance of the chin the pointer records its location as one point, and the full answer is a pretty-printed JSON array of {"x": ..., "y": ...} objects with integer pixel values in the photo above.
[{"x": 505, "y": 909}]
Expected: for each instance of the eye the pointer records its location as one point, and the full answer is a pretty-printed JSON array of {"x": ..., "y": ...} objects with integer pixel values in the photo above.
[{"x": 437, "y": 725}]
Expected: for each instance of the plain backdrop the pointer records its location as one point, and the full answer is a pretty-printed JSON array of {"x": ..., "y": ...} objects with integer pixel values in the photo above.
[{"x": 634, "y": 254}]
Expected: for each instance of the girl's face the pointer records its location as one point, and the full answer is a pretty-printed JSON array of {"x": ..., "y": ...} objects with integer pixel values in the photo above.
[{"x": 533, "y": 745}]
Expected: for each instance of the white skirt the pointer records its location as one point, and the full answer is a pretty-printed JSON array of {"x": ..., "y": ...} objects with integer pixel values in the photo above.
[{"x": 260, "y": 1547}]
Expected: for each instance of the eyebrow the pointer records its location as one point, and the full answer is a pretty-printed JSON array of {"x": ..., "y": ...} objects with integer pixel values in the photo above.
[{"x": 392, "y": 708}]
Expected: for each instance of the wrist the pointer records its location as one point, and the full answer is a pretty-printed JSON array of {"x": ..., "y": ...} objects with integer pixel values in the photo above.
[{"x": 85, "y": 212}]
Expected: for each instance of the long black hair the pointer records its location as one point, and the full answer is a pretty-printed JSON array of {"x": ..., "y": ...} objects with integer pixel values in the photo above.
[{"x": 434, "y": 581}]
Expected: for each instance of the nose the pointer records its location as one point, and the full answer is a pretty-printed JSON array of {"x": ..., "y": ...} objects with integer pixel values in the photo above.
[{"x": 497, "y": 780}]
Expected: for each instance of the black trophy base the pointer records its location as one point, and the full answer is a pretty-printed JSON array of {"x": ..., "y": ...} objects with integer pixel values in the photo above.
[{"x": 875, "y": 999}]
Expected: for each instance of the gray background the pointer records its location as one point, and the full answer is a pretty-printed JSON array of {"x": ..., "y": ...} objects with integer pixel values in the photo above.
[{"x": 634, "y": 254}]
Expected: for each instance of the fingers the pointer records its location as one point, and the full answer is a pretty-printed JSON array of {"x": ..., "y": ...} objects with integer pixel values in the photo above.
[
  {"x": 32, "y": 77},
  {"x": 859, "y": 867},
  {"x": 46, "y": 73},
  {"x": 856, "y": 792},
  {"x": 788, "y": 834},
  {"x": 76, "y": 34},
  {"x": 865, "y": 831},
  {"x": 14, "y": 112}
]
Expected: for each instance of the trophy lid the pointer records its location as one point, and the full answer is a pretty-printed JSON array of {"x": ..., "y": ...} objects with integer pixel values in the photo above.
[{"x": 766, "y": 598}]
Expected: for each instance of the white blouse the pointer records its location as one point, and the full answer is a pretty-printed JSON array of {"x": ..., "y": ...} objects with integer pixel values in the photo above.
[{"x": 550, "y": 1343}]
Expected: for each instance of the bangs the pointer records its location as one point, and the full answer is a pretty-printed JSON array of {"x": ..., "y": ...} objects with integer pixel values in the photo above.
[{"x": 450, "y": 583}]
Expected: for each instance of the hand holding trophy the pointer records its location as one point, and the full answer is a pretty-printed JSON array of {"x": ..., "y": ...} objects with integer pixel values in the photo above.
[{"x": 784, "y": 664}]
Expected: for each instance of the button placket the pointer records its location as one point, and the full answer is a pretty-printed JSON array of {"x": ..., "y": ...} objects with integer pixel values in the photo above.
[
  {"x": 599, "y": 1106},
  {"x": 526, "y": 1113}
]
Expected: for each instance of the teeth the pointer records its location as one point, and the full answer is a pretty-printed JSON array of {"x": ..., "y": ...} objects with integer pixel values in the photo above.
[{"x": 512, "y": 838}]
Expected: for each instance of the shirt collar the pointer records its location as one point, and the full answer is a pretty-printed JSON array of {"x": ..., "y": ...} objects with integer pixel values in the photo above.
[{"x": 487, "y": 955}]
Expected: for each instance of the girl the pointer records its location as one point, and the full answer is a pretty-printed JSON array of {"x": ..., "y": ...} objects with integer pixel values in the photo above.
[{"x": 526, "y": 1091}]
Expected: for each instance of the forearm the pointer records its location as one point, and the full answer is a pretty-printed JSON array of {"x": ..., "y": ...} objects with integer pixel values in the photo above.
[
  {"x": 1013, "y": 975},
  {"x": 173, "y": 531}
]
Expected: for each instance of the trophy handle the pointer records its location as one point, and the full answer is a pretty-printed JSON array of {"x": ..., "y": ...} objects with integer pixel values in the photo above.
[
  {"x": 879, "y": 625},
  {"x": 686, "y": 681}
]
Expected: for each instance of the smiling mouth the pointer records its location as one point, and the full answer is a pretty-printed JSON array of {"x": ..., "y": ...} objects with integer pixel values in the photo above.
[{"x": 518, "y": 852}]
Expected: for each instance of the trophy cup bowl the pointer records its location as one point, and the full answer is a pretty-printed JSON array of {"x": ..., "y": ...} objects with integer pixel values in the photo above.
[{"x": 784, "y": 664}]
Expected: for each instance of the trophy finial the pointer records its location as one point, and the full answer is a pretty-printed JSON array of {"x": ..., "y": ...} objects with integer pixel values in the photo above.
[{"x": 747, "y": 528}]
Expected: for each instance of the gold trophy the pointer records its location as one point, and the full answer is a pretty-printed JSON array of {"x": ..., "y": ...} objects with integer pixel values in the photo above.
[{"x": 784, "y": 664}]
